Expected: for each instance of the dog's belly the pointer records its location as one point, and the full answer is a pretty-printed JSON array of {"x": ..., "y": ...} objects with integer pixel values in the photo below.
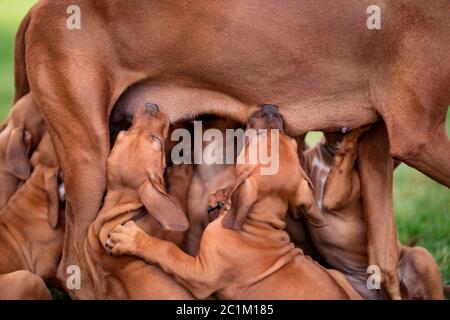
[
  {"x": 228, "y": 59},
  {"x": 330, "y": 112}
]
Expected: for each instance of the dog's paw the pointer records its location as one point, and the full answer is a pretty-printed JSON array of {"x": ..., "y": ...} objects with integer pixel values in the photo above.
[
  {"x": 123, "y": 239},
  {"x": 216, "y": 202}
]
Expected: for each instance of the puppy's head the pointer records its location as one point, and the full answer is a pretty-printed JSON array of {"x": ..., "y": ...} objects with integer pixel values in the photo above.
[
  {"x": 15, "y": 147},
  {"x": 289, "y": 183},
  {"x": 252, "y": 176},
  {"x": 139, "y": 150},
  {"x": 137, "y": 163},
  {"x": 19, "y": 135}
]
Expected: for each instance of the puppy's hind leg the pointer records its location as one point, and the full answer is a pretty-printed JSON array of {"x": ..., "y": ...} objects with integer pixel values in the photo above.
[{"x": 420, "y": 274}]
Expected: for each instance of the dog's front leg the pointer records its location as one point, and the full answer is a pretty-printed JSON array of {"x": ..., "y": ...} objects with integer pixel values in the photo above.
[
  {"x": 376, "y": 175},
  {"x": 194, "y": 273}
]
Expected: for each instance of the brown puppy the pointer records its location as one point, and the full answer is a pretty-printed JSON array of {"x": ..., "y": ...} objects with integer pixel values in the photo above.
[
  {"x": 178, "y": 179},
  {"x": 343, "y": 241},
  {"x": 19, "y": 136},
  {"x": 254, "y": 261},
  {"x": 136, "y": 191},
  {"x": 31, "y": 235},
  {"x": 207, "y": 179}
]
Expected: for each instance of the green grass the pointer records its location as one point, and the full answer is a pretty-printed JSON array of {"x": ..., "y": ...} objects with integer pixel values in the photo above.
[
  {"x": 422, "y": 207},
  {"x": 11, "y": 14}
]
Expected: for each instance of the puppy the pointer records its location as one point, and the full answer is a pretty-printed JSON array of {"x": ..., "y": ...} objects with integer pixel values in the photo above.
[
  {"x": 136, "y": 192},
  {"x": 178, "y": 179},
  {"x": 31, "y": 232},
  {"x": 207, "y": 179},
  {"x": 245, "y": 253},
  {"x": 19, "y": 136},
  {"x": 342, "y": 242}
]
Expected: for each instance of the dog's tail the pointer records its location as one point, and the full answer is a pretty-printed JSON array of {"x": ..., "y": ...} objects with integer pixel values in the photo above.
[{"x": 22, "y": 86}]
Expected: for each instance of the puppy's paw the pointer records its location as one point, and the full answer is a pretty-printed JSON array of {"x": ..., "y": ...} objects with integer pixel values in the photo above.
[
  {"x": 216, "y": 202},
  {"x": 124, "y": 239}
]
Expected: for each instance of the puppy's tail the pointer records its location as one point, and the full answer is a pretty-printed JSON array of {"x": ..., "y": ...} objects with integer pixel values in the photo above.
[{"x": 22, "y": 87}]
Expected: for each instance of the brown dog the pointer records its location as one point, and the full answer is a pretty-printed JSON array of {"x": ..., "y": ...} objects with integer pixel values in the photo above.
[
  {"x": 259, "y": 261},
  {"x": 136, "y": 191},
  {"x": 19, "y": 136},
  {"x": 215, "y": 57},
  {"x": 343, "y": 241},
  {"x": 207, "y": 179},
  {"x": 31, "y": 235}
]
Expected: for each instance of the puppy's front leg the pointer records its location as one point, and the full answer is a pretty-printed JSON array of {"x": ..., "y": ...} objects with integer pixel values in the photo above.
[{"x": 194, "y": 273}]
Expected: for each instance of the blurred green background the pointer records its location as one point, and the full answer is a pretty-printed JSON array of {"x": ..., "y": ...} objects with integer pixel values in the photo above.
[{"x": 422, "y": 207}]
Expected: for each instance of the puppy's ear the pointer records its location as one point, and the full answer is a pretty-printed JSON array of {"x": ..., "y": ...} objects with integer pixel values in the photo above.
[
  {"x": 51, "y": 187},
  {"x": 305, "y": 198},
  {"x": 162, "y": 206},
  {"x": 17, "y": 161},
  {"x": 243, "y": 196}
]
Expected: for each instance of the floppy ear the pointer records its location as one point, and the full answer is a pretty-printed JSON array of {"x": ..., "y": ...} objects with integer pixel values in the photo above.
[
  {"x": 17, "y": 160},
  {"x": 162, "y": 206},
  {"x": 243, "y": 196},
  {"x": 305, "y": 198},
  {"x": 51, "y": 187}
]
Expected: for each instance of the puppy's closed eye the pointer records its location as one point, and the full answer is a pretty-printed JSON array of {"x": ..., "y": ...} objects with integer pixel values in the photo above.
[{"x": 156, "y": 138}]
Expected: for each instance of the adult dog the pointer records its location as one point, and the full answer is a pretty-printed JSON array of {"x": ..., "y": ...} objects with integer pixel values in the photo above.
[{"x": 225, "y": 58}]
